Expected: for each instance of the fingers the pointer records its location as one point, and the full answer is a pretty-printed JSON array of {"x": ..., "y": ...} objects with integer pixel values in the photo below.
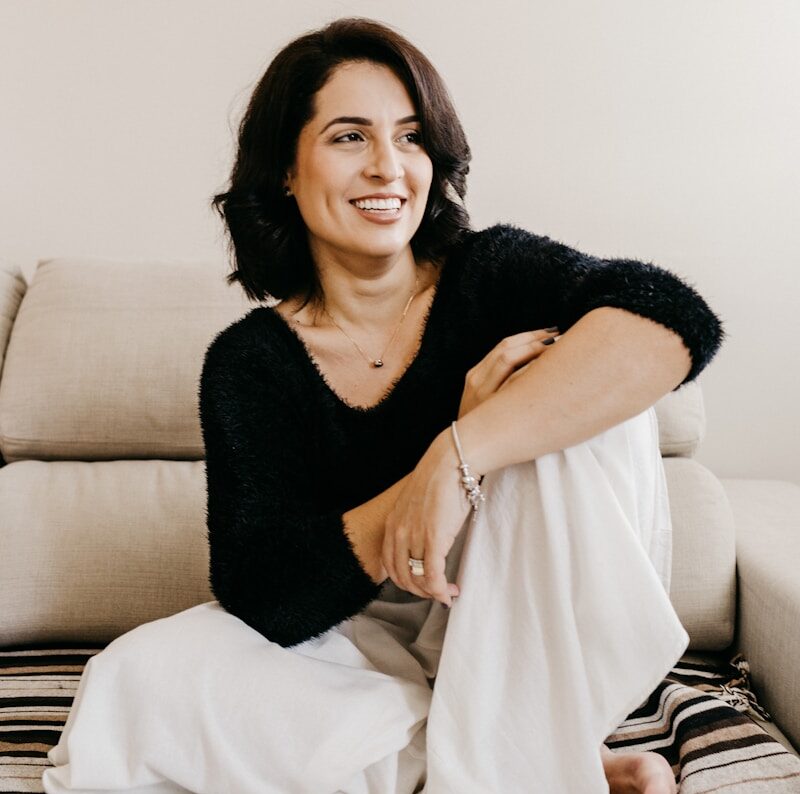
[
  {"x": 406, "y": 579},
  {"x": 395, "y": 557},
  {"x": 527, "y": 336},
  {"x": 414, "y": 583},
  {"x": 512, "y": 353},
  {"x": 427, "y": 516},
  {"x": 505, "y": 359},
  {"x": 517, "y": 372},
  {"x": 527, "y": 343},
  {"x": 397, "y": 550},
  {"x": 434, "y": 580}
]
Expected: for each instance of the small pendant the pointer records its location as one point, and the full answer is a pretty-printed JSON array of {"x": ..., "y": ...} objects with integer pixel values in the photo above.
[{"x": 377, "y": 363}]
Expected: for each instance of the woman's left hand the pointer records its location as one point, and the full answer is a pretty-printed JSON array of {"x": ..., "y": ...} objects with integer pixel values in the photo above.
[{"x": 425, "y": 521}]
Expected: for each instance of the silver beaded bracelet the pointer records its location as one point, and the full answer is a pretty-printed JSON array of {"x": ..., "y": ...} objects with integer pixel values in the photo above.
[{"x": 470, "y": 483}]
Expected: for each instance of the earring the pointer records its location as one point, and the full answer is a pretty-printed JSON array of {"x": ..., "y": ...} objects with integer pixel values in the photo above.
[{"x": 287, "y": 191}]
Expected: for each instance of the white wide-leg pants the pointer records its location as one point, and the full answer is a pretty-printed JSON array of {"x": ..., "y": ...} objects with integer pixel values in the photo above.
[{"x": 563, "y": 627}]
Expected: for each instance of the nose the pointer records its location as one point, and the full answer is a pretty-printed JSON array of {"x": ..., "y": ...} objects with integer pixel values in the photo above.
[{"x": 384, "y": 161}]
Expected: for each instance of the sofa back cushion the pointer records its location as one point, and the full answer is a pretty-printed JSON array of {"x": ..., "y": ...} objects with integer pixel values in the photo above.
[
  {"x": 104, "y": 359},
  {"x": 12, "y": 288},
  {"x": 681, "y": 420},
  {"x": 703, "y": 587},
  {"x": 105, "y": 356}
]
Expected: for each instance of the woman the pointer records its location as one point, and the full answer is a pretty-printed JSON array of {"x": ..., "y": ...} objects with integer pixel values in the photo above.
[{"x": 345, "y": 500}]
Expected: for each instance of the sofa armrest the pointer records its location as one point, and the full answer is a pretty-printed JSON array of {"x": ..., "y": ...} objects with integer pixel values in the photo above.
[{"x": 767, "y": 518}]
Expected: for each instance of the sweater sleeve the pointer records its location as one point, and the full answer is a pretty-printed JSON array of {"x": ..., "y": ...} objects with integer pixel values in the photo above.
[
  {"x": 278, "y": 560},
  {"x": 531, "y": 281}
]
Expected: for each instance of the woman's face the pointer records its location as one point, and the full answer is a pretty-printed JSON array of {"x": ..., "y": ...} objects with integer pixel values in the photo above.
[{"x": 376, "y": 149}]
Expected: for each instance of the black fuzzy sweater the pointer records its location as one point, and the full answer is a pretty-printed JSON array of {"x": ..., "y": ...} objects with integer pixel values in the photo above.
[{"x": 286, "y": 457}]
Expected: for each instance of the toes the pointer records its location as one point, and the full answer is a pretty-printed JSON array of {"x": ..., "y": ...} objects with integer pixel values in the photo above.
[
  {"x": 654, "y": 775},
  {"x": 638, "y": 773}
]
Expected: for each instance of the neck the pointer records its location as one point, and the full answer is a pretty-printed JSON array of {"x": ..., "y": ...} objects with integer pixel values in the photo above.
[{"x": 370, "y": 300}]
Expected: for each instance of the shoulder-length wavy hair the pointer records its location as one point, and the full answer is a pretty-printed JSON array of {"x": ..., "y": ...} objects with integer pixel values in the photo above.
[{"x": 268, "y": 238}]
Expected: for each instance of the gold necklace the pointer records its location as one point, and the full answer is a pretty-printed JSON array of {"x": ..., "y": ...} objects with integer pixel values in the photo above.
[{"x": 377, "y": 362}]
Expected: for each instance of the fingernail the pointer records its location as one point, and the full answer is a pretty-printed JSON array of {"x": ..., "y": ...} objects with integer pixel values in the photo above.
[
  {"x": 549, "y": 341},
  {"x": 554, "y": 328}
]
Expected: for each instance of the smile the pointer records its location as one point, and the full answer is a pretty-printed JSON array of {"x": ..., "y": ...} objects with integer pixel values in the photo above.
[
  {"x": 380, "y": 210},
  {"x": 378, "y": 203}
]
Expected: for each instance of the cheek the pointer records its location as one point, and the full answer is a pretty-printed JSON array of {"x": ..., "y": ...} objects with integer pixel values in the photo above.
[
  {"x": 319, "y": 173},
  {"x": 320, "y": 190},
  {"x": 424, "y": 176}
]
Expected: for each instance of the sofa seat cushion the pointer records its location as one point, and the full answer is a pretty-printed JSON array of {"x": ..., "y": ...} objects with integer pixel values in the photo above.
[
  {"x": 93, "y": 549},
  {"x": 117, "y": 543}
]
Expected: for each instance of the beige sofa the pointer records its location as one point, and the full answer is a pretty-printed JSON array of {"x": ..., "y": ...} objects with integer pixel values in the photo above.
[{"x": 102, "y": 487}]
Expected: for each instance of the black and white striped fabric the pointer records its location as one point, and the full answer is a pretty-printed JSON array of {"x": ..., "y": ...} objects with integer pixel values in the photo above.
[
  {"x": 697, "y": 718},
  {"x": 37, "y": 687}
]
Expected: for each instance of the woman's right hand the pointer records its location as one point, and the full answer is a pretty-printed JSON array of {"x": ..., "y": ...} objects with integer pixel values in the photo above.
[{"x": 505, "y": 361}]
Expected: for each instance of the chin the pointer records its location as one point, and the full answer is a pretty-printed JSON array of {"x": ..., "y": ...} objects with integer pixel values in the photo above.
[
  {"x": 380, "y": 243},
  {"x": 372, "y": 241},
  {"x": 382, "y": 251}
]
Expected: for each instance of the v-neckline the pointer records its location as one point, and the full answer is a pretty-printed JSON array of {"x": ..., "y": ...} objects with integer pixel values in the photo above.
[{"x": 393, "y": 386}]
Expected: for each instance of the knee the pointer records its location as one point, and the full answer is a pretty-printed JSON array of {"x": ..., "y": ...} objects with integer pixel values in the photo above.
[{"x": 158, "y": 650}]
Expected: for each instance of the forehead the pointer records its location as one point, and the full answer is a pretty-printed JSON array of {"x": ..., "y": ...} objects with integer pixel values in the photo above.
[{"x": 362, "y": 89}]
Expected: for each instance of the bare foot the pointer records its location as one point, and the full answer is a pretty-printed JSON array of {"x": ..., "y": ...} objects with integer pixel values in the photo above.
[{"x": 637, "y": 773}]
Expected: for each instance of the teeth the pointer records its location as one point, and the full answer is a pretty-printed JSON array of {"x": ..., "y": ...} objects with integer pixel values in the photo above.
[{"x": 378, "y": 204}]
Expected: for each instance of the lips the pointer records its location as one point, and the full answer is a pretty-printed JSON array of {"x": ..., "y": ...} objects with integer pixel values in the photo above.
[
  {"x": 380, "y": 216},
  {"x": 364, "y": 198},
  {"x": 379, "y": 196}
]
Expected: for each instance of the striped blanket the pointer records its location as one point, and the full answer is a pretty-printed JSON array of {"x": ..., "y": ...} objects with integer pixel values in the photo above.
[{"x": 698, "y": 718}]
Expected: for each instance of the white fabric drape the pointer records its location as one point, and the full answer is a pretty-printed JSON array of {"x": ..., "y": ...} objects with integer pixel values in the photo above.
[{"x": 563, "y": 627}]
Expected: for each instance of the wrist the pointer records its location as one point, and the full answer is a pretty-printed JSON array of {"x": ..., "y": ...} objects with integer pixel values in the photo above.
[
  {"x": 470, "y": 451},
  {"x": 445, "y": 454},
  {"x": 470, "y": 480},
  {"x": 447, "y": 462}
]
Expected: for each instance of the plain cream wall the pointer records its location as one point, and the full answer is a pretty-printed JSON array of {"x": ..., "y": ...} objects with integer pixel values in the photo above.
[{"x": 666, "y": 132}]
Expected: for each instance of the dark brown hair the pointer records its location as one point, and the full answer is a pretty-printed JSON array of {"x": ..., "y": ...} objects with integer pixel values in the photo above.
[{"x": 268, "y": 238}]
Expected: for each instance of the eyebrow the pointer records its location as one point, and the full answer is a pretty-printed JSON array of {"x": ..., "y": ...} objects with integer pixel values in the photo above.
[{"x": 364, "y": 122}]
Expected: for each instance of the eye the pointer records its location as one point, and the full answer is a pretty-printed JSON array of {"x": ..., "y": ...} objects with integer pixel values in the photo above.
[
  {"x": 346, "y": 135},
  {"x": 416, "y": 137}
]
